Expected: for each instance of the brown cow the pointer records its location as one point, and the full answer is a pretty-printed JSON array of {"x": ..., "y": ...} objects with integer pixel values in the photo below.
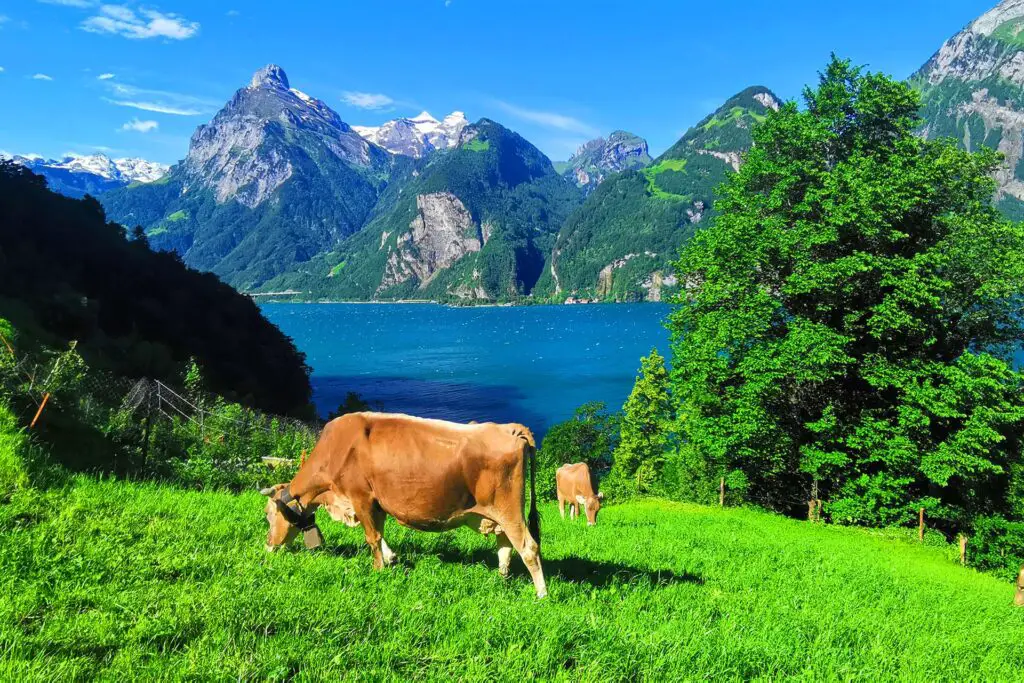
[
  {"x": 427, "y": 474},
  {"x": 576, "y": 487},
  {"x": 1018, "y": 599}
]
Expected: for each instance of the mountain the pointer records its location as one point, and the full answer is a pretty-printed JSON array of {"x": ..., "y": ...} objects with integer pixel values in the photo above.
[
  {"x": 600, "y": 157},
  {"x": 274, "y": 179},
  {"x": 972, "y": 90},
  {"x": 417, "y": 136},
  {"x": 619, "y": 244},
  {"x": 474, "y": 223},
  {"x": 77, "y": 175}
]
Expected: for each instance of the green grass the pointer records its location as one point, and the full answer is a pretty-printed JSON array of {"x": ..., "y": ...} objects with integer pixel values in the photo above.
[
  {"x": 178, "y": 215},
  {"x": 1010, "y": 32},
  {"x": 477, "y": 145},
  {"x": 652, "y": 172},
  {"x": 735, "y": 114},
  {"x": 123, "y": 581},
  {"x": 336, "y": 269},
  {"x": 159, "y": 230}
]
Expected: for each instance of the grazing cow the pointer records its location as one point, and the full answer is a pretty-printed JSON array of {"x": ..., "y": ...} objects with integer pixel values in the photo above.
[
  {"x": 576, "y": 487},
  {"x": 427, "y": 474},
  {"x": 1018, "y": 599}
]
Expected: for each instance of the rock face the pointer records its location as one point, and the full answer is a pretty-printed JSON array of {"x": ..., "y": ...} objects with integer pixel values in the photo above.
[
  {"x": 418, "y": 136},
  {"x": 245, "y": 153},
  {"x": 76, "y": 175},
  {"x": 441, "y": 233},
  {"x": 600, "y": 157},
  {"x": 972, "y": 89}
]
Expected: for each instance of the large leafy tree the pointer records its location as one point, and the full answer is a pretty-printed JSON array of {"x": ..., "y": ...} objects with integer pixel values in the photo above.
[
  {"x": 848, "y": 321},
  {"x": 646, "y": 427}
]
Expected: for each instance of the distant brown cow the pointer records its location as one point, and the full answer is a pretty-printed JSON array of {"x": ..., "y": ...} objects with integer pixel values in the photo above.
[
  {"x": 427, "y": 474},
  {"x": 576, "y": 487},
  {"x": 1018, "y": 599}
]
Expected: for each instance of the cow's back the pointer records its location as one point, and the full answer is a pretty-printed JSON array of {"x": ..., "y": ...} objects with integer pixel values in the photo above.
[
  {"x": 426, "y": 473},
  {"x": 574, "y": 480}
]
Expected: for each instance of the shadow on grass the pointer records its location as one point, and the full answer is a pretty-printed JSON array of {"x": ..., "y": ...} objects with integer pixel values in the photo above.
[{"x": 570, "y": 569}]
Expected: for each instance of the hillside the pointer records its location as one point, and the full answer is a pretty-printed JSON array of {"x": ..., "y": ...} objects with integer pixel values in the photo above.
[
  {"x": 473, "y": 223},
  {"x": 619, "y": 243},
  {"x": 276, "y": 178},
  {"x": 971, "y": 91},
  {"x": 66, "y": 273},
  {"x": 119, "y": 580}
]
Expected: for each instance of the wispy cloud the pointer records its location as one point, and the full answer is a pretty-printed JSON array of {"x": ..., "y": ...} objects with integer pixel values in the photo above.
[
  {"x": 366, "y": 100},
  {"x": 4, "y": 19},
  {"x": 159, "y": 101},
  {"x": 233, "y": 13},
  {"x": 41, "y": 77},
  {"x": 1, "y": 69},
  {"x": 104, "y": 77},
  {"x": 123, "y": 21},
  {"x": 548, "y": 119},
  {"x": 141, "y": 126},
  {"x": 70, "y": 3}
]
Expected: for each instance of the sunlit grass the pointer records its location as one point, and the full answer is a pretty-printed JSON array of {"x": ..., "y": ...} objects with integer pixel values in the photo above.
[{"x": 120, "y": 581}]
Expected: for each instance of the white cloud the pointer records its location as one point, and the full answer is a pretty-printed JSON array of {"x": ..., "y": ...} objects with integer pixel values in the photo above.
[
  {"x": 70, "y": 3},
  {"x": 1, "y": 69},
  {"x": 549, "y": 119},
  {"x": 159, "y": 101},
  {"x": 123, "y": 21},
  {"x": 4, "y": 19},
  {"x": 41, "y": 77},
  {"x": 104, "y": 77},
  {"x": 141, "y": 126},
  {"x": 233, "y": 13},
  {"x": 366, "y": 100},
  {"x": 447, "y": 3}
]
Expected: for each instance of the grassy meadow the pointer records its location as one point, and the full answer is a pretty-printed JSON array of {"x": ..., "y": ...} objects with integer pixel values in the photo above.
[{"x": 117, "y": 580}]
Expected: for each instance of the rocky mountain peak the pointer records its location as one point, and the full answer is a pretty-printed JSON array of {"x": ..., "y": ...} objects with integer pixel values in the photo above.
[
  {"x": 595, "y": 159},
  {"x": 270, "y": 76},
  {"x": 416, "y": 136}
]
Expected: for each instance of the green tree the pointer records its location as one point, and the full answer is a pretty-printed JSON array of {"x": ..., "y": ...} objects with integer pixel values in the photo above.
[
  {"x": 646, "y": 428},
  {"x": 590, "y": 436},
  {"x": 849, "y": 317}
]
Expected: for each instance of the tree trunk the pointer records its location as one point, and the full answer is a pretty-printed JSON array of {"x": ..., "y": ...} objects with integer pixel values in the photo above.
[{"x": 920, "y": 525}]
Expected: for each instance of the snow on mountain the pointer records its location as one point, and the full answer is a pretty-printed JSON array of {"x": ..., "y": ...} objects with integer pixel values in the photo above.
[
  {"x": 418, "y": 135},
  {"x": 79, "y": 174}
]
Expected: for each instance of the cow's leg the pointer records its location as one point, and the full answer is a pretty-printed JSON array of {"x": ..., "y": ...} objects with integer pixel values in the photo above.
[
  {"x": 504, "y": 554},
  {"x": 372, "y": 519},
  {"x": 379, "y": 519},
  {"x": 527, "y": 548},
  {"x": 561, "y": 506}
]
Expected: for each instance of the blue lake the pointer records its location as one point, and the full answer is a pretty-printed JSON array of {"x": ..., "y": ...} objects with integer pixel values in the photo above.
[{"x": 531, "y": 364}]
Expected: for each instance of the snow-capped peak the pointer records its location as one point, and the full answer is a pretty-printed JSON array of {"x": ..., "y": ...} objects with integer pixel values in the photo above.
[
  {"x": 126, "y": 170},
  {"x": 418, "y": 135}
]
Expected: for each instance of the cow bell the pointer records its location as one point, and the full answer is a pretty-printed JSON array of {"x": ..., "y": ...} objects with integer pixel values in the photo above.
[{"x": 312, "y": 537}]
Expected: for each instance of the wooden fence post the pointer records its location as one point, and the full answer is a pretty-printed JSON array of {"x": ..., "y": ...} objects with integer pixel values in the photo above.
[
  {"x": 1018, "y": 600},
  {"x": 962, "y": 539},
  {"x": 920, "y": 525},
  {"x": 46, "y": 397},
  {"x": 811, "y": 507},
  {"x": 721, "y": 492}
]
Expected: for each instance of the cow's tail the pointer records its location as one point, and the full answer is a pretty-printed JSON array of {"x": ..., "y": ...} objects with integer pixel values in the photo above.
[{"x": 533, "y": 519}]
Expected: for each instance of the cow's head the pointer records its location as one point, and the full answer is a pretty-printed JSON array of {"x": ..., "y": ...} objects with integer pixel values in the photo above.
[
  {"x": 281, "y": 530},
  {"x": 287, "y": 516},
  {"x": 591, "y": 506}
]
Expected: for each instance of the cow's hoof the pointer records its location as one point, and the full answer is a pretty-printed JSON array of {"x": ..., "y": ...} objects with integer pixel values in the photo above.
[
  {"x": 541, "y": 596},
  {"x": 504, "y": 573}
]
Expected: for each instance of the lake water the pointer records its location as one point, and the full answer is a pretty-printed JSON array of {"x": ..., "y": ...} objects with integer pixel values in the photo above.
[{"x": 532, "y": 364}]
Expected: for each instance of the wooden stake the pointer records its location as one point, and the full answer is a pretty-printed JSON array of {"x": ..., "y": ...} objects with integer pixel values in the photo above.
[
  {"x": 46, "y": 397},
  {"x": 721, "y": 492},
  {"x": 811, "y": 507},
  {"x": 819, "y": 510},
  {"x": 962, "y": 539},
  {"x": 1018, "y": 599},
  {"x": 920, "y": 525}
]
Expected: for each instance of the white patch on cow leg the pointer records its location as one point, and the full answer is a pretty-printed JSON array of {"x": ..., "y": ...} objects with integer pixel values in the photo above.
[
  {"x": 389, "y": 556},
  {"x": 504, "y": 555},
  {"x": 531, "y": 558}
]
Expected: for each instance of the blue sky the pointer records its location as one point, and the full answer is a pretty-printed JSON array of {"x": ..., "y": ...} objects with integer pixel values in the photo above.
[{"x": 135, "y": 79}]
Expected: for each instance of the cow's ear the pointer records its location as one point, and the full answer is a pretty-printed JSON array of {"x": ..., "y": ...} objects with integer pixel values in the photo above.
[
  {"x": 600, "y": 495},
  {"x": 267, "y": 491},
  {"x": 581, "y": 500}
]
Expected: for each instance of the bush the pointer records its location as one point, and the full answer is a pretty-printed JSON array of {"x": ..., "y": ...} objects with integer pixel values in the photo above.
[{"x": 997, "y": 545}]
